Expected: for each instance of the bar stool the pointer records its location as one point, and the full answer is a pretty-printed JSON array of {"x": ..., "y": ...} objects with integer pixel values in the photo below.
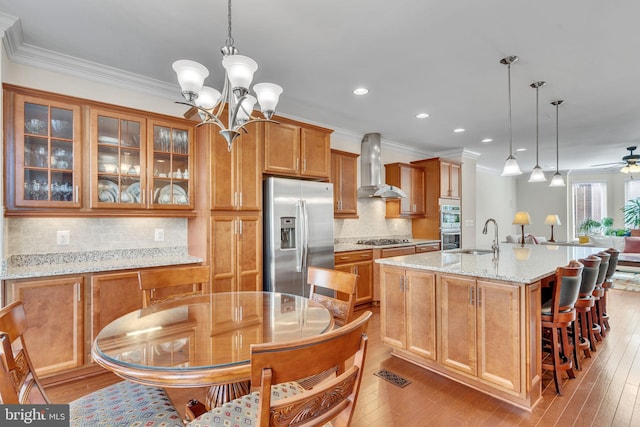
[
  {"x": 584, "y": 306},
  {"x": 598, "y": 293},
  {"x": 608, "y": 283},
  {"x": 556, "y": 316}
]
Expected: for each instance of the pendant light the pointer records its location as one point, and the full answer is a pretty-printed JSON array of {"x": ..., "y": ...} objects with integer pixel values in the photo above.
[
  {"x": 511, "y": 167},
  {"x": 557, "y": 180},
  {"x": 536, "y": 174}
]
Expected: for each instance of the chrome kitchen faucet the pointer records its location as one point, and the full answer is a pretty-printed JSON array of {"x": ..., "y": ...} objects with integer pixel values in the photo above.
[{"x": 495, "y": 246}]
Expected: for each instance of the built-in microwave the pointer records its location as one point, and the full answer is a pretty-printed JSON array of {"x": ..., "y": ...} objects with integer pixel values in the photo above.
[
  {"x": 450, "y": 216},
  {"x": 450, "y": 238}
]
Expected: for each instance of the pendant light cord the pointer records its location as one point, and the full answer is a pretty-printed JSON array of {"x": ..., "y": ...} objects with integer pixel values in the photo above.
[
  {"x": 557, "y": 149},
  {"x": 510, "y": 128},
  {"x": 537, "y": 125}
]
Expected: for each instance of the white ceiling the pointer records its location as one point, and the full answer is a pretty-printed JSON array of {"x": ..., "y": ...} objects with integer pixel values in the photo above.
[{"x": 441, "y": 57}]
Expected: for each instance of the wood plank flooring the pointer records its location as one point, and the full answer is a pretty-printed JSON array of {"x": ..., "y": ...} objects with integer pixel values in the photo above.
[{"x": 605, "y": 393}]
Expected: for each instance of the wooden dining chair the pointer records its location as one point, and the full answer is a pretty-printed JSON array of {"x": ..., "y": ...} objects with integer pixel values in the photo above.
[
  {"x": 19, "y": 384},
  {"x": 278, "y": 400},
  {"x": 167, "y": 283},
  {"x": 342, "y": 283}
]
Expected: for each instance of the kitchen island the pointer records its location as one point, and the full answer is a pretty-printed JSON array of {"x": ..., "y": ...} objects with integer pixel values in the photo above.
[{"x": 474, "y": 318}]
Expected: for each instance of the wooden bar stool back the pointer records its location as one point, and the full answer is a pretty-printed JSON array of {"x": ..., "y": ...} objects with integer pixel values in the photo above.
[
  {"x": 608, "y": 283},
  {"x": 557, "y": 315},
  {"x": 586, "y": 302},
  {"x": 598, "y": 293}
]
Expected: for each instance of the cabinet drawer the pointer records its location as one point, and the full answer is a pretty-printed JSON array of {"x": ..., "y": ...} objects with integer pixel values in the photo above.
[
  {"x": 353, "y": 256},
  {"x": 405, "y": 250},
  {"x": 427, "y": 247}
]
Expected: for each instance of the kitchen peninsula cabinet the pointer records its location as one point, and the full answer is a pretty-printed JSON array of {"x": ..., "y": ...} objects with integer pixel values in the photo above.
[
  {"x": 235, "y": 175},
  {"x": 479, "y": 323},
  {"x": 44, "y": 152},
  {"x": 236, "y": 252},
  {"x": 345, "y": 184},
  {"x": 408, "y": 315},
  {"x": 297, "y": 149},
  {"x": 361, "y": 264},
  {"x": 411, "y": 180},
  {"x": 55, "y": 311}
]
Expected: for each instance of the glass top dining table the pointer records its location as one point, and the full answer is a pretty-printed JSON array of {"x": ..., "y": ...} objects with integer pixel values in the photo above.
[{"x": 204, "y": 340}]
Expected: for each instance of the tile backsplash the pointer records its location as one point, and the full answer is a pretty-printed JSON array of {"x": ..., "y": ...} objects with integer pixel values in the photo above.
[
  {"x": 39, "y": 235},
  {"x": 371, "y": 223}
]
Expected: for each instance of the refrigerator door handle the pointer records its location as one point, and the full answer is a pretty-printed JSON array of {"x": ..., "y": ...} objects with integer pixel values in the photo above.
[
  {"x": 305, "y": 234},
  {"x": 298, "y": 237}
]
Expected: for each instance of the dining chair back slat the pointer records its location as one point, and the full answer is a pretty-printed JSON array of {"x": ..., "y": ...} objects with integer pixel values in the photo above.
[
  {"x": 159, "y": 285},
  {"x": 342, "y": 283}
]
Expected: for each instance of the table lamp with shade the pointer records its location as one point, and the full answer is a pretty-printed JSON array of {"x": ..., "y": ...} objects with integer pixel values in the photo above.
[
  {"x": 522, "y": 219},
  {"x": 552, "y": 220}
]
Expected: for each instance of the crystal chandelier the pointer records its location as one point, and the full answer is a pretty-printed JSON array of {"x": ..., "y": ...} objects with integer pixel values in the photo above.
[
  {"x": 235, "y": 95},
  {"x": 511, "y": 167}
]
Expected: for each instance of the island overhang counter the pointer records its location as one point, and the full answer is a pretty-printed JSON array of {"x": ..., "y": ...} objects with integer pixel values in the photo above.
[{"x": 474, "y": 318}]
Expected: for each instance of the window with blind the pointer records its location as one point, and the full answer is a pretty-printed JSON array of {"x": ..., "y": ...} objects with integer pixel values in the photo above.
[{"x": 589, "y": 201}]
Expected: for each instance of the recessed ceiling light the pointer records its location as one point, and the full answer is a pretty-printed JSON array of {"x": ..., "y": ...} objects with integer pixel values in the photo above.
[
  {"x": 458, "y": 130},
  {"x": 521, "y": 149},
  {"x": 422, "y": 115},
  {"x": 361, "y": 91},
  {"x": 486, "y": 140}
]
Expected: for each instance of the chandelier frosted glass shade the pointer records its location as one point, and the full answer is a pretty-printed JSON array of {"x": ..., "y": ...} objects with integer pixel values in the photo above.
[
  {"x": 268, "y": 96},
  {"x": 240, "y": 70},
  {"x": 511, "y": 167},
  {"x": 557, "y": 180},
  {"x": 537, "y": 175},
  {"x": 244, "y": 112},
  {"x": 191, "y": 75},
  {"x": 630, "y": 168},
  {"x": 208, "y": 97}
]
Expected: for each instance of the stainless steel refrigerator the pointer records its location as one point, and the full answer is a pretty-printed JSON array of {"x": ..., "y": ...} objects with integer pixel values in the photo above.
[{"x": 298, "y": 232}]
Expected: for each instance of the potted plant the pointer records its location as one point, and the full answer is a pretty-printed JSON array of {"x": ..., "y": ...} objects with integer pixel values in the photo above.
[
  {"x": 607, "y": 222},
  {"x": 586, "y": 228},
  {"x": 631, "y": 212}
]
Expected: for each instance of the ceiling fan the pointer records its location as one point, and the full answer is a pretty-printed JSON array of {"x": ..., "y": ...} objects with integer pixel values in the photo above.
[{"x": 629, "y": 163}]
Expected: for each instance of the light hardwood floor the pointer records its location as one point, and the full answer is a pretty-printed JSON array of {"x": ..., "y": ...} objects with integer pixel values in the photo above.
[{"x": 605, "y": 393}]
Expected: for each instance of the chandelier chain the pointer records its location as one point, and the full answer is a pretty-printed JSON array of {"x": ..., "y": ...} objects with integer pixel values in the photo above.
[{"x": 230, "y": 40}]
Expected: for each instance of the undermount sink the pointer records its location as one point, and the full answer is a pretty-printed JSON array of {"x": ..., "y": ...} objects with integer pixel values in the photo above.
[{"x": 472, "y": 251}]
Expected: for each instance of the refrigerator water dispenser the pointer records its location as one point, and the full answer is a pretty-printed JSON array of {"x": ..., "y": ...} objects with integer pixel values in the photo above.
[{"x": 287, "y": 232}]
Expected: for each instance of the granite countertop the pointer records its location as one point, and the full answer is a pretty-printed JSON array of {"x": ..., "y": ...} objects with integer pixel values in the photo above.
[
  {"x": 353, "y": 246},
  {"x": 514, "y": 263},
  {"x": 58, "y": 264}
]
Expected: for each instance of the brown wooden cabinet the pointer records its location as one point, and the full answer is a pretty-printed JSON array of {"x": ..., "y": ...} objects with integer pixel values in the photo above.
[
  {"x": 450, "y": 180},
  {"x": 140, "y": 163},
  {"x": 344, "y": 170},
  {"x": 235, "y": 175},
  {"x": 479, "y": 323},
  {"x": 296, "y": 149},
  {"x": 236, "y": 252},
  {"x": 112, "y": 295},
  {"x": 44, "y": 152},
  {"x": 411, "y": 180},
  {"x": 55, "y": 311},
  {"x": 361, "y": 264},
  {"x": 408, "y": 314},
  {"x": 98, "y": 159}
]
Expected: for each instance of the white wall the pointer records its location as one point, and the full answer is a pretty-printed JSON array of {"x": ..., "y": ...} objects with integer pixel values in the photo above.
[{"x": 495, "y": 198}]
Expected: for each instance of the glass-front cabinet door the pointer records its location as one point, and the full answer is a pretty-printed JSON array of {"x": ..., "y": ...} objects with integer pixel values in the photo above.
[
  {"x": 48, "y": 152},
  {"x": 119, "y": 160},
  {"x": 171, "y": 165}
]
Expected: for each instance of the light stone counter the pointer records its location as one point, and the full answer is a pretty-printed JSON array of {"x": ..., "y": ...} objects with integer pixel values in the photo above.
[
  {"x": 514, "y": 263},
  {"x": 346, "y": 246},
  {"x": 57, "y": 264}
]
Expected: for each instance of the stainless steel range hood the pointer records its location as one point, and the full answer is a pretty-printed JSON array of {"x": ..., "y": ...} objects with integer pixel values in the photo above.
[{"x": 371, "y": 168}]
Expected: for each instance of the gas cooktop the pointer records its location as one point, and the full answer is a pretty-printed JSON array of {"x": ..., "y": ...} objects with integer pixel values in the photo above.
[{"x": 382, "y": 242}]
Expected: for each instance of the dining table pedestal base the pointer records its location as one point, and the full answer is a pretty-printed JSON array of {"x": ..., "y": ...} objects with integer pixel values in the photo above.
[{"x": 220, "y": 394}]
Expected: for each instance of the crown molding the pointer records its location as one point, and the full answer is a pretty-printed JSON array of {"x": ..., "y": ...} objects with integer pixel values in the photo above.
[{"x": 23, "y": 53}]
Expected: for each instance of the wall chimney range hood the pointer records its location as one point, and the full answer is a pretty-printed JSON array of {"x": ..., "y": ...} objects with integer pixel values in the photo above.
[{"x": 371, "y": 168}]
